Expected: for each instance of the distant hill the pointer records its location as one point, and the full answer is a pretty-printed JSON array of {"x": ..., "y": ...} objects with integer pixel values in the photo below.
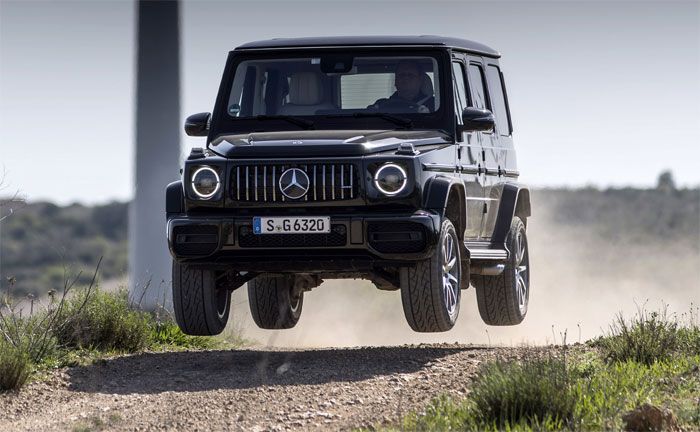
[{"x": 39, "y": 239}]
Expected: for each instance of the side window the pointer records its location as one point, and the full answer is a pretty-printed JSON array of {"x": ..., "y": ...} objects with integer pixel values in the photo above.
[
  {"x": 498, "y": 99},
  {"x": 460, "y": 89},
  {"x": 476, "y": 81}
]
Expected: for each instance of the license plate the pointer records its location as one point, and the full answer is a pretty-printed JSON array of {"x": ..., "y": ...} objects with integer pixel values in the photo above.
[{"x": 291, "y": 225}]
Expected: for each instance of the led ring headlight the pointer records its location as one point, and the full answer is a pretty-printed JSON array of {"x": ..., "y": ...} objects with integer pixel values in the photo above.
[
  {"x": 390, "y": 179},
  {"x": 205, "y": 182}
]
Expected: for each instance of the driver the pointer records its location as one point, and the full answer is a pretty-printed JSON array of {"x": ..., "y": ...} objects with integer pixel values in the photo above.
[{"x": 409, "y": 81}]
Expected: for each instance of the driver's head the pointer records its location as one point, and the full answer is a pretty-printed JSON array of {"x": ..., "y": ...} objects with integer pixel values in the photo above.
[{"x": 408, "y": 80}]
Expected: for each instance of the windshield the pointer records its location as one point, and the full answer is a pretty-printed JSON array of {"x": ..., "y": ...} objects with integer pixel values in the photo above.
[{"x": 331, "y": 85}]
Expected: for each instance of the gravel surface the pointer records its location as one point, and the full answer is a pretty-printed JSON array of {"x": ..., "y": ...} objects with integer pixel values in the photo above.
[{"x": 247, "y": 390}]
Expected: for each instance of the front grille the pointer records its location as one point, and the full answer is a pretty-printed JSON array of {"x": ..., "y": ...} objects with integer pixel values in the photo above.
[
  {"x": 399, "y": 237},
  {"x": 247, "y": 239},
  {"x": 195, "y": 239},
  {"x": 260, "y": 182}
]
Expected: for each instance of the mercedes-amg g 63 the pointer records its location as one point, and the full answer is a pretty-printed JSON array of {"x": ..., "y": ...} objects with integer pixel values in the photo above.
[{"x": 385, "y": 158}]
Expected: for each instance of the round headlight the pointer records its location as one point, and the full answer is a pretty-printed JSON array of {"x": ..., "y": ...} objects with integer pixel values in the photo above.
[
  {"x": 390, "y": 179},
  {"x": 205, "y": 182}
]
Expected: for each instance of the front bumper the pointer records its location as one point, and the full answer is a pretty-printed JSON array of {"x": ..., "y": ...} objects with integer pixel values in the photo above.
[{"x": 356, "y": 243}]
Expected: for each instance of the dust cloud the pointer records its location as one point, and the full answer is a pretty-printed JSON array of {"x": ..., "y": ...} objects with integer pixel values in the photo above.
[{"x": 580, "y": 281}]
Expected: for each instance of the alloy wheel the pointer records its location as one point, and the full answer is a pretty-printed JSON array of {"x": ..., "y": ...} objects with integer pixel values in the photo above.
[
  {"x": 522, "y": 274},
  {"x": 450, "y": 274}
]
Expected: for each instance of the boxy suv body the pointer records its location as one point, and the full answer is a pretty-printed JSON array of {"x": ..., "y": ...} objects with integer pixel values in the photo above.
[{"x": 385, "y": 158}]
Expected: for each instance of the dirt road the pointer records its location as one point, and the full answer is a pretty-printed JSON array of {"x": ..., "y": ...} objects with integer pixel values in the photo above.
[{"x": 251, "y": 390}]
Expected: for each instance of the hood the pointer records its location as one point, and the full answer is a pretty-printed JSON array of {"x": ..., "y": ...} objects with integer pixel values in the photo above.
[{"x": 316, "y": 143}]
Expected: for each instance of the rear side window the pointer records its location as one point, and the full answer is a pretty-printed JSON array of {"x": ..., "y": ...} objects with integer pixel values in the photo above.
[
  {"x": 498, "y": 100},
  {"x": 476, "y": 82}
]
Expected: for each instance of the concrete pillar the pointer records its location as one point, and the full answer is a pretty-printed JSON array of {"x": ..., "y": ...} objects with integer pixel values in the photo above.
[{"x": 158, "y": 126}]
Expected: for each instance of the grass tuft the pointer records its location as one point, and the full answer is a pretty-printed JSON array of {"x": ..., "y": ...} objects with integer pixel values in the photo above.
[
  {"x": 648, "y": 338},
  {"x": 535, "y": 391},
  {"x": 96, "y": 319},
  {"x": 15, "y": 367}
]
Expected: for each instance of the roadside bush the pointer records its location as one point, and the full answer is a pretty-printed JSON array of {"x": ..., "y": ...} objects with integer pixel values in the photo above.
[
  {"x": 15, "y": 367},
  {"x": 536, "y": 391},
  {"x": 648, "y": 338},
  {"x": 103, "y": 321}
]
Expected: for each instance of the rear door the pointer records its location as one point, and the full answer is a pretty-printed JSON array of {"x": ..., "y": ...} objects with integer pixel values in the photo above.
[
  {"x": 468, "y": 151},
  {"x": 488, "y": 158},
  {"x": 501, "y": 157}
]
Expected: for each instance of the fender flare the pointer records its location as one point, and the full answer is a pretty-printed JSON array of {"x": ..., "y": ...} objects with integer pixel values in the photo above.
[
  {"x": 515, "y": 201},
  {"x": 438, "y": 192},
  {"x": 174, "y": 198}
]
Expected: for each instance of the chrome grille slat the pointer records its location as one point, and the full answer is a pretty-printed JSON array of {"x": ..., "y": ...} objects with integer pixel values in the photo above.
[
  {"x": 335, "y": 180},
  {"x": 247, "y": 189},
  {"x": 256, "y": 183},
  {"x": 265, "y": 183},
  {"x": 238, "y": 183},
  {"x": 274, "y": 184}
]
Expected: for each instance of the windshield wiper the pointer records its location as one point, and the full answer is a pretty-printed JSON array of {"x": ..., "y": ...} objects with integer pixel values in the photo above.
[
  {"x": 399, "y": 121},
  {"x": 306, "y": 124}
]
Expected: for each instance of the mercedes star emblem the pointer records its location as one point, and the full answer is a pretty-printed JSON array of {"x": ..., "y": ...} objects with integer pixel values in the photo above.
[{"x": 294, "y": 183}]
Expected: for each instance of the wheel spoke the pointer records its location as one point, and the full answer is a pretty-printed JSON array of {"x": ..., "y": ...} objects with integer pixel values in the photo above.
[
  {"x": 448, "y": 294},
  {"x": 452, "y": 278},
  {"x": 450, "y": 264},
  {"x": 522, "y": 292},
  {"x": 520, "y": 249}
]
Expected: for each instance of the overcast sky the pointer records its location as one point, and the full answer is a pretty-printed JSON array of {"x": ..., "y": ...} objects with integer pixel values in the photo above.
[{"x": 601, "y": 93}]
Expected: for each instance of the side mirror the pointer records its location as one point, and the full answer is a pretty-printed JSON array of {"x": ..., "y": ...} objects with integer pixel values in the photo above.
[
  {"x": 477, "y": 119},
  {"x": 198, "y": 124}
]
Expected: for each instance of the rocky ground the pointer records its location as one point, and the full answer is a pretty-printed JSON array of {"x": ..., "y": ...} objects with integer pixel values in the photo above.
[{"x": 247, "y": 390}]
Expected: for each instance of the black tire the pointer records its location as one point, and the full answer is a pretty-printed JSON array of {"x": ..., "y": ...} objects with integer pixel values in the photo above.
[
  {"x": 503, "y": 299},
  {"x": 201, "y": 306},
  {"x": 428, "y": 303},
  {"x": 273, "y": 302}
]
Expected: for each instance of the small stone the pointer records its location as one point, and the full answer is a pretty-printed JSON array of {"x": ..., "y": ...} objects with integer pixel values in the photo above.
[{"x": 651, "y": 418}]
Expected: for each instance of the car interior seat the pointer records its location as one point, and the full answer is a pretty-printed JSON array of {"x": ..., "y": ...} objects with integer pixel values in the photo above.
[{"x": 305, "y": 95}]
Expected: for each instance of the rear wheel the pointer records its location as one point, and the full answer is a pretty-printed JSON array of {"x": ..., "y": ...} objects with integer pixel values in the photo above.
[
  {"x": 430, "y": 290},
  {"x": 274, "y": 303},
  {"x": 503, "y": 299},
  {"x": 201, "y": 304}
]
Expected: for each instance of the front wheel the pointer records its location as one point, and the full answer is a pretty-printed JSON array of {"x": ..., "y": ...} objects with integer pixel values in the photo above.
[
  {"x": 430, "y": 290},
  {"x": 274, "y": 303},
  {"x": 200, "y": 303},
  {"x": 503, "y": 300}
]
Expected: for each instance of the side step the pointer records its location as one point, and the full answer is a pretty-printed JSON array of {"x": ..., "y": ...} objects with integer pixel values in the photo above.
[{"x": 485, "y": 259}]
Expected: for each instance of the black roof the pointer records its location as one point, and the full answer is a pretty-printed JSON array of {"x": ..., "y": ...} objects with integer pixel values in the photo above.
[{"x": 331, "y": 41}]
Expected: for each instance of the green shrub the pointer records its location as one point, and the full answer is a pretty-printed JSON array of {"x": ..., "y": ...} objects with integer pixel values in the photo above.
[
  {"x": 104, "y": 321},
  {"x": 15, "y": 366},
  {"x": 646, "y": 338},
  {"x": 535, "y": 391}
]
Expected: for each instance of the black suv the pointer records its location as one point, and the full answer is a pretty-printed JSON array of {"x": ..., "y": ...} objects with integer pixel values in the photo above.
[{"x": 385, "y": 158}]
